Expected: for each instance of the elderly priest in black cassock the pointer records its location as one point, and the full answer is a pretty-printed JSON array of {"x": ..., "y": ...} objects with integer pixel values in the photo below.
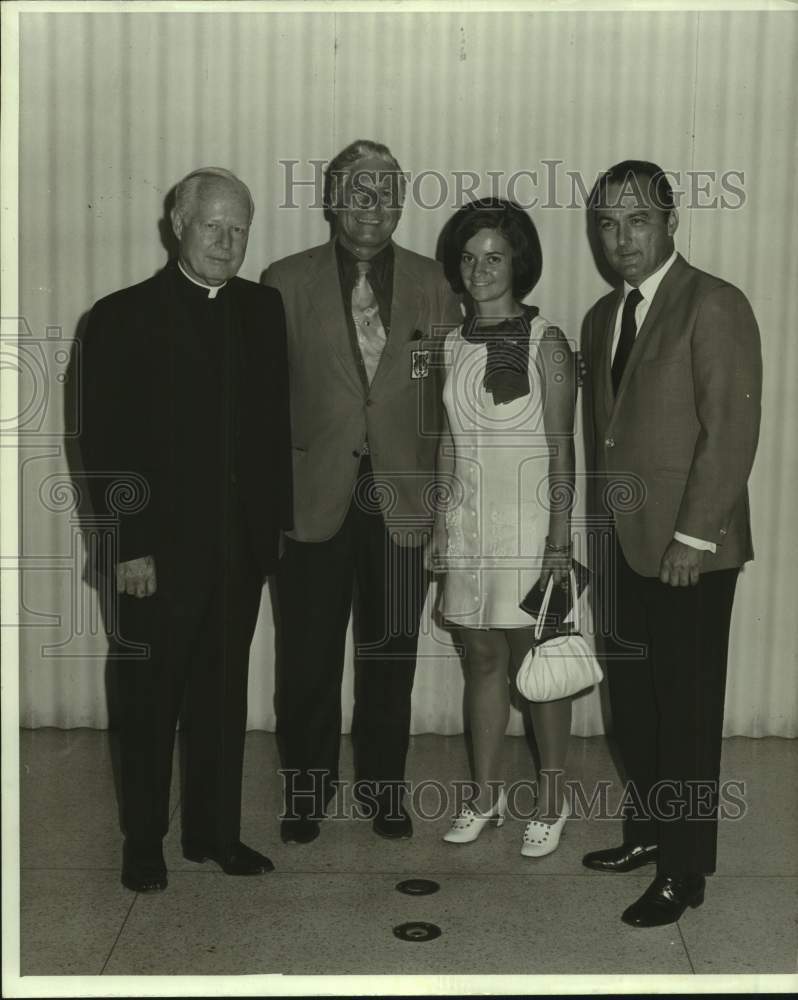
[{"x": 186, "y": 395}]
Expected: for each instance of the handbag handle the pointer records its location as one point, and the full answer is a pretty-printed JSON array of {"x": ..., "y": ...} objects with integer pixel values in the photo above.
[{"x": 544, "y": 606}]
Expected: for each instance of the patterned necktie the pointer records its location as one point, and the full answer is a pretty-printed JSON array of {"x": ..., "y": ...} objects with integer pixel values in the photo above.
[
  {"x": 366, "y": 314},
  {"x": 627, "y": 337}
]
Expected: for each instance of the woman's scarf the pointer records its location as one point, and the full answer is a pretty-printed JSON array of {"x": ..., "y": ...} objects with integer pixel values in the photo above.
[{"x": 507, "y": 367}]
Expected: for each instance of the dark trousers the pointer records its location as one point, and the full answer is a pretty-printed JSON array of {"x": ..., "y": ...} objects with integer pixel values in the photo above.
[
  {"x": 199, "y": 632},
  {"x": 667, "y": 708},
  {"x": 318, "y": 583}
]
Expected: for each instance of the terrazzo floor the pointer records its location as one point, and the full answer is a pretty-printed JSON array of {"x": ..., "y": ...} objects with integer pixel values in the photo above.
[{"x": 330, "y": 907}]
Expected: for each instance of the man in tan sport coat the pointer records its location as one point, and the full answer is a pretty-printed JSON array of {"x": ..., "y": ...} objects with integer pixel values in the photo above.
[
  {"x": 676, "y": 375},
  {"x": 363, "y": 319}
]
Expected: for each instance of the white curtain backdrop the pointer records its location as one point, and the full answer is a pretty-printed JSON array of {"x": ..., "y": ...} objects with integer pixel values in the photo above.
[{"x": 115, "y": 108}]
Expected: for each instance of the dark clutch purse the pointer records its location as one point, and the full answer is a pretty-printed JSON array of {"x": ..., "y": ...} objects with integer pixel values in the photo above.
[{"x": 560, "y": 605}]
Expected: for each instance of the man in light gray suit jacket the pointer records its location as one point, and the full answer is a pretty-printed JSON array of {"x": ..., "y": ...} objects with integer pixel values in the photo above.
[
  {"x": 676, "y": 383},
  {"x": 364, "y": 317}
]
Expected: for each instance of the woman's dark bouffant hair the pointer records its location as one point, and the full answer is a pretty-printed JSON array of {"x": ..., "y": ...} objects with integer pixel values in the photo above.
[{"x": 515, "y": 226}]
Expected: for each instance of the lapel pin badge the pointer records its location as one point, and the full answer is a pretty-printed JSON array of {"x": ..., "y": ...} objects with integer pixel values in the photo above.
[{"x": 419, "y": 364}]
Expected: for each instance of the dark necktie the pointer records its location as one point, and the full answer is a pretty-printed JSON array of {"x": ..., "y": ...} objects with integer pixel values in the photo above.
[{"x": 627, "y": 337}]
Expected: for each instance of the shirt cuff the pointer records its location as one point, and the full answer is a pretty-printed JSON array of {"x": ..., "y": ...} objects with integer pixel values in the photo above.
[{"x": 695, "y": 543}]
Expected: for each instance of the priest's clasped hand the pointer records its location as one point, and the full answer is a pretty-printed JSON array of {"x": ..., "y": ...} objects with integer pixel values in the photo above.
[{"x": 136, "y": 577}]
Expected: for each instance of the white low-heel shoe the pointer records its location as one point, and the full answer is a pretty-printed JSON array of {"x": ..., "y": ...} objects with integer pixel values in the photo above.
[
  {"x": 468, "y": 825},
  {"x": 540, "y": 838}
]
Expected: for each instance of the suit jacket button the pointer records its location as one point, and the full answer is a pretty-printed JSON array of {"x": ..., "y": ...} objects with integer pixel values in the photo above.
[
  {"x": 369, "y": 402},
  {"x": 610, "y": 442},
  {"x": 355, "y": 453}
]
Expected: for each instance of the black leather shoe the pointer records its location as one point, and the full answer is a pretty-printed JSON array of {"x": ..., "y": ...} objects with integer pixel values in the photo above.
[
  {"x": 393, "y": 823},
  {"x": 665, "y": 900},
  {"x": 143, "y": 870},
  {"x": 625, "y": 858},
  {"x": 299, "y": 830},
  {"x": 236, "y": 859}
]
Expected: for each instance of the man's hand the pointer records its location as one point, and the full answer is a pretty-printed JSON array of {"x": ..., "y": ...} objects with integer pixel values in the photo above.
[
  {"x": 136, "y": 577},
  {"x": 681, "y": 565}
]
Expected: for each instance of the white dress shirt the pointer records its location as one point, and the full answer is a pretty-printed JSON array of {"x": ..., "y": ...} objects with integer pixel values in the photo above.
[{"x": 648, "y": 289}]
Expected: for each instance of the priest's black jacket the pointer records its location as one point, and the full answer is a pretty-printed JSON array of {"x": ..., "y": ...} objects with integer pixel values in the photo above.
[{"x": 185, "y": 434}]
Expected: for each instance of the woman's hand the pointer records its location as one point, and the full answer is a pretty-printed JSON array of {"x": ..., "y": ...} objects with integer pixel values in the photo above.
[
  {"x": 435, "y": 552},
  {"x": 556, "y": 563}
]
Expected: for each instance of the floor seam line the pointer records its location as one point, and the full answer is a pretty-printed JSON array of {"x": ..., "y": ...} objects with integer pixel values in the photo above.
[
  {"x": 686, "y": 949},
  {"x": 119, "y": 935}
]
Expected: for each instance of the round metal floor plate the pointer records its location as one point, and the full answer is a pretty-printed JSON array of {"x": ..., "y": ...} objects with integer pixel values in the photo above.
[
  {"x": 417, "y": 930},
  {"x": 418, "y": 887}
]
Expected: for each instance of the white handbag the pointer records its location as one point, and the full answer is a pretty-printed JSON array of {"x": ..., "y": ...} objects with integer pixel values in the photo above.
[{"x": 560, "y": 666}]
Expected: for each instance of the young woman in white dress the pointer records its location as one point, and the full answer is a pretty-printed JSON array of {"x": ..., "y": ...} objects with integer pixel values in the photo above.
[{"x": 507, "y": 457}]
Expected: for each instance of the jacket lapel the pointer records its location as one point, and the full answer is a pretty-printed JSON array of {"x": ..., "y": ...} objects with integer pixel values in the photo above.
[
  {"x": 645, "y": 341},
  {"x": 404, "y": 319},
  {"x": 608, "y": 329},
  {"x": 323, "y": 289}
]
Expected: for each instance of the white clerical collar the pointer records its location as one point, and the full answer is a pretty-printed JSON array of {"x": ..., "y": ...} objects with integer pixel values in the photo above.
[
  {"x": 649, "y": 286},
  {"x": 213, "y": 290}
]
